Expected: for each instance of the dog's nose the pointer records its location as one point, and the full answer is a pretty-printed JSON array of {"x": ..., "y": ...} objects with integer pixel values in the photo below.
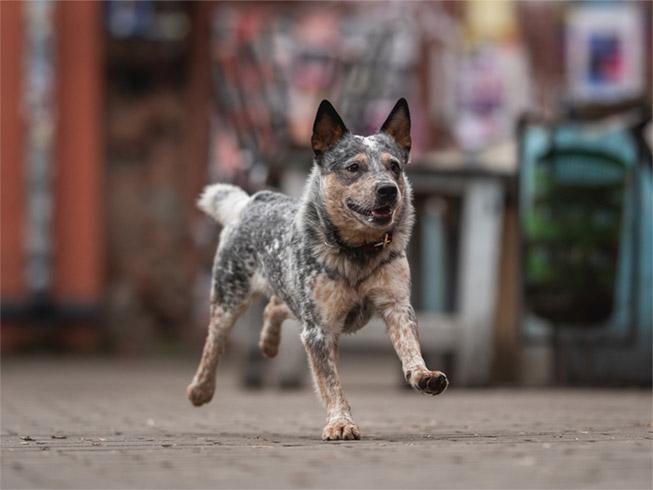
[{"x": 387, "y": 192}]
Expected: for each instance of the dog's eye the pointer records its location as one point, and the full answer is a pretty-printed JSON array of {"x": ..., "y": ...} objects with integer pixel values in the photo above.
[
  {"x": 395, "y": 167},
  {"x": 353, "y": 168}
]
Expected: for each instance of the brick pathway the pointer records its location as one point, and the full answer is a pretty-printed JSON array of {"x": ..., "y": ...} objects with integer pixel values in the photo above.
[{"x": 118, "y": 424}]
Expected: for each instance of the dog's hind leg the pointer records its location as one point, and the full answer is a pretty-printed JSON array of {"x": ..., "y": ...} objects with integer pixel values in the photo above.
[
  {"x": 233, "y": 288},
  {"x": 222, "y": 319},
  {"x": 274, "y": 315}
]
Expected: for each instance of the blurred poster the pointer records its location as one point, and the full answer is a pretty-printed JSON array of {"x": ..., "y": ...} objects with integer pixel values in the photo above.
[
  {"x": 490, "y": 21},
  {"x": 491, "y": 76},
  {"x": 316, "y": 44},
  {"x": 272, "y": 66},
  {"x": 604, "y": 52},
  {"x": 147, "y": 19},
  {"x": 491, "y": 91}
]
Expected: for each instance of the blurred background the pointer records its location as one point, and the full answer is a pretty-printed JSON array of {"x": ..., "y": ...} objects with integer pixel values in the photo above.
[{"x": 532, "y": 253}]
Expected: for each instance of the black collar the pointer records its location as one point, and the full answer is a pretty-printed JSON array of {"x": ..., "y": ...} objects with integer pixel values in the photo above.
[
  {"x": 366, "y": 249},
  {"x": 358, "y": 253}
]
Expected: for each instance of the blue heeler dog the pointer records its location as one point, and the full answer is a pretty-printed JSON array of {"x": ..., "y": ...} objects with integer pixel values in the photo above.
[{"x": 330, "y": 260}]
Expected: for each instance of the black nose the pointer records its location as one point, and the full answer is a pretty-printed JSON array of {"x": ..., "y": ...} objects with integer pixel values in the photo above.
[{"x": 387, "y": 192}]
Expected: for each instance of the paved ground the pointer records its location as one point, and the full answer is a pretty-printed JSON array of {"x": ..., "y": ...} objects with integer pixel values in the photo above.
[{"x": 117, "y": 424}]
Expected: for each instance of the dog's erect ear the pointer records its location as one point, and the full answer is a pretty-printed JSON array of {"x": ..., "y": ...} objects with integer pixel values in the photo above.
[
  {"x": 398, "y": 124},
  {"x": 328, "y": 128}
]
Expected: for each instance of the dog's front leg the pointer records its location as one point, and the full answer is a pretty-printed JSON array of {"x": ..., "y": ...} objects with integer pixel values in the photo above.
[
  {"x": 401, "y": 323},
  {"x": 322, "y": 350}
]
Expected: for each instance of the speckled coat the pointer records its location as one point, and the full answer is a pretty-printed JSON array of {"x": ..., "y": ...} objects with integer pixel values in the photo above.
[{"x": 330, "y": 259}]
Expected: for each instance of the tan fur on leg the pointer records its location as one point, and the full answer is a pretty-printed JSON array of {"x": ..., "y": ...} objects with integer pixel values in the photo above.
[
  {"x": 390, "y": 293},
  {"x": 322, "y": 350},
  {"x": 402, "y": 328},
  {"x": 275, "y": 313},
  {"x": 202, "y": 387}
]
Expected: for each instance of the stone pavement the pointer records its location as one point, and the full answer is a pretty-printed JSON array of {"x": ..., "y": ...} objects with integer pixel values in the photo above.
[{"x": 127, "y": 424}]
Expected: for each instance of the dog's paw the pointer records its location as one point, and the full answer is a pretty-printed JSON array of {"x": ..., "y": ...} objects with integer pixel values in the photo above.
[
  {"x": 341, "y": 429},
  {"x": 269, "y": 349},
  {"x": 429, "y": 382},
  {"x": 200, "y": 393}
]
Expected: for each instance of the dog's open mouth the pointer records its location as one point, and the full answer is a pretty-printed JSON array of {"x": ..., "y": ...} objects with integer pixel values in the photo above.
[{"x": 378, "y": 216}]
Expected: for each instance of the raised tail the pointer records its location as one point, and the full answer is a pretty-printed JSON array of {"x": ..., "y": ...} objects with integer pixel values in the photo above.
[{"x": 223, "y": 202}]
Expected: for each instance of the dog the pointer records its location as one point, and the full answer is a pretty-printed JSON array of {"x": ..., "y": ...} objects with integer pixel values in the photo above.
[{"x": 330, "y": 259}]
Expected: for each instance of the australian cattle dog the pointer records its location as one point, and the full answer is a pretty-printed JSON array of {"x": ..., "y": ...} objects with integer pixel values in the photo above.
[{"x": 330, "y": 259}]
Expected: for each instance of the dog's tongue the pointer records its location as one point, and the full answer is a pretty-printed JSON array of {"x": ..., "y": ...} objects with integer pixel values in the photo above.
[{"x": 383, "y": 212}]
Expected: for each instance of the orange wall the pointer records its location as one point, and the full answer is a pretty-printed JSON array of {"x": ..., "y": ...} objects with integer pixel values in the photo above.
[
  {"x": 78, "y": 220},
  {"x": 78, "y": 217},
  {"x": 12, "y": 179}
]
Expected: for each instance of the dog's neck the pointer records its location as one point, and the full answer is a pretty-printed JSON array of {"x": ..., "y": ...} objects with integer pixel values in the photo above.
[
  {"x": 351, "y": 261},
  {"x": 357, "y": 251}
]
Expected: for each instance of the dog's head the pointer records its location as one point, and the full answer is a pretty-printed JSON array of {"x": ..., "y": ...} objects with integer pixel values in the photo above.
[{"x": 362, "y": 177}]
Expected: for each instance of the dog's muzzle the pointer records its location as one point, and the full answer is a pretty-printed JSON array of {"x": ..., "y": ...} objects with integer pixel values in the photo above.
[
  {"x": 379, "y": 215},
  {"x": 387, "y": 194}
]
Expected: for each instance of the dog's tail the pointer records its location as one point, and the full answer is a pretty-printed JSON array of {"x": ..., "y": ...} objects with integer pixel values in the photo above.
[{"x": 223, "y": 202}]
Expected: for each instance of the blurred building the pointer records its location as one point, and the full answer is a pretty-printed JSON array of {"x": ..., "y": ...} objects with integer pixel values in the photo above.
[{"x": 115, "y": 114}]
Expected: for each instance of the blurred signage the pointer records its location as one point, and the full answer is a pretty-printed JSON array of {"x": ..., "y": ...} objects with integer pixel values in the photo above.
[
  {"x": 491, "y": 83},
  {"x": 604, "y": 50},
  {"x": 154, "y": 21}
]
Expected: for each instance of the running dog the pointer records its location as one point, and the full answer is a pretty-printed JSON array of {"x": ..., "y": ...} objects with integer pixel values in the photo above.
[{"x": 330, "y": 260}]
